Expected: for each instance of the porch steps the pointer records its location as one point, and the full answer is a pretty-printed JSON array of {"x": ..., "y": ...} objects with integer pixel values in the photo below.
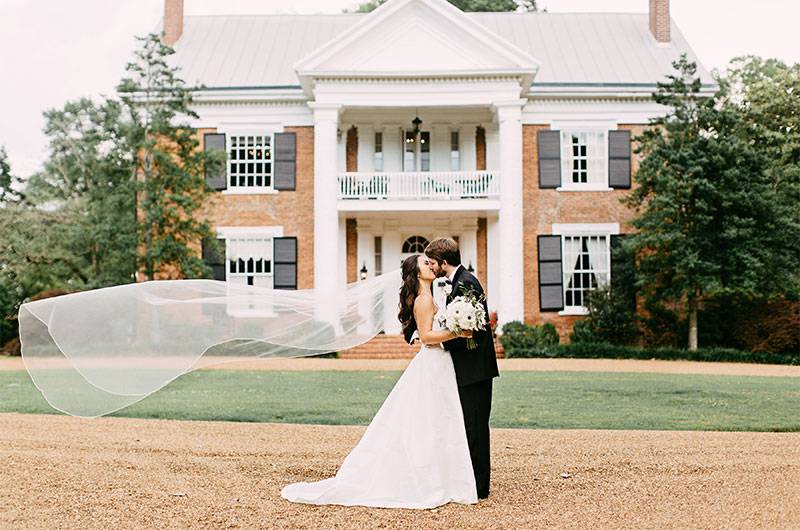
[{"x": 392, "y": 347}]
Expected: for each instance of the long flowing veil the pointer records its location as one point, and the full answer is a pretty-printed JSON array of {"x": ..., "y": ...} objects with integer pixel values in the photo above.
[{"x": 94, "y": 352}]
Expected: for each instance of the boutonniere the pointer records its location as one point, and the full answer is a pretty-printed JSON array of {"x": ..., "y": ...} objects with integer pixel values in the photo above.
[{"x": 447, "y": 289}]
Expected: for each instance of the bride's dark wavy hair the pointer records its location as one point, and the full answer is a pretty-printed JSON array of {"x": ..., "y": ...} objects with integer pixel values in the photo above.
[{"x": 408, "y": 293}]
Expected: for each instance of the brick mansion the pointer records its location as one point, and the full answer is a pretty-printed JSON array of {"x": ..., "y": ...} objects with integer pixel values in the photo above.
[{"x": 354, "y": 139}]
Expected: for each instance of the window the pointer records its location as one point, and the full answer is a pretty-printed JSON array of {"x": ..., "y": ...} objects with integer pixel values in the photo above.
[
  {"x": 585, "y": 266},
  {"x": 584, "y": 159},
  {"x": 377, "y": 160},
  {"x": 249, "y": 260},
  {"x": 250, "y": 161},
  {"x": 417, "y": 151},
  {"x": 415, "y": 245},
  {"x": 455, "y": 153},
  {"x": 378, "y": 255}
]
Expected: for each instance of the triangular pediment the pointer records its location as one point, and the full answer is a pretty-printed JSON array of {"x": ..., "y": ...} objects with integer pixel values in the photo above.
[{"x": 415, "y": 38}]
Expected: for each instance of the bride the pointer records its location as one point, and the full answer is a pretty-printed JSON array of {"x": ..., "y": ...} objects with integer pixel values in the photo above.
[{"x": 414, "y": 453}]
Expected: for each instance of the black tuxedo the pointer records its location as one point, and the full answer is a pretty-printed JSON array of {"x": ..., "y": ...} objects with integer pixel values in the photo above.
[
  {"x": 481, "y": 363},
  {"x": 474, "y": 372}
]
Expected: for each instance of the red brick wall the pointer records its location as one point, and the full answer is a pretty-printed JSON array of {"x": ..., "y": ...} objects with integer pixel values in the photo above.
[
  {"x": 480, "y": 149},
  {"x": 481, "y": 237},
  {"x": 543, "y": 207},
  {"x": 294, "y": 210},
  {"x": 351, "y": 149},
  {"x": 351, "y": 232}
]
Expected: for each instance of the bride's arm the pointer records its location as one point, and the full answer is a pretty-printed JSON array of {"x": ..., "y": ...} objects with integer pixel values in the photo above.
[{"x": 423, "y": 314}]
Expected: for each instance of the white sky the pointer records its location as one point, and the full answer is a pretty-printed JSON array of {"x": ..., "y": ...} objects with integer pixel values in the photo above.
[{"x": 52, "y": 51}]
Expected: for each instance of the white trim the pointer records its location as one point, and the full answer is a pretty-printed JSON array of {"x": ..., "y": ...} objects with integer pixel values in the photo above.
[
  {"x": 313, "y": 65},
  {"x": 574, "y": 311},
  {"x": 227, "y": 232},
  {"x": 241, "y": 130},
  {"x": 584, "y": 187},
  {"x": 244, "y": 190},
  {"x": 585, "y": 229}
]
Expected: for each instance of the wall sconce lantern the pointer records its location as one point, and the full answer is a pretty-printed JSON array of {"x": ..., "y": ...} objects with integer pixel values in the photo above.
[
  {"x": 417, "y": 122},
  {"x": 363, "y": 271},
  {"x": 471, "y": 269}
]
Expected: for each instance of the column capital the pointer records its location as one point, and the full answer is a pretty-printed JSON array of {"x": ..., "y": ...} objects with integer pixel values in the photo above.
[
  {"x": 508, "y": 109},
  {"x": 325, "y": 111}
]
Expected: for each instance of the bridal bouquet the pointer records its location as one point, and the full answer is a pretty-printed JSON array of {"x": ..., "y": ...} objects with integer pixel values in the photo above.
[{"x": 466, "y": 312}]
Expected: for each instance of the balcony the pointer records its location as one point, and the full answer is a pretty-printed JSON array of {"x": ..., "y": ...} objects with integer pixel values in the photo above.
[{"x": 377, "y": 189}]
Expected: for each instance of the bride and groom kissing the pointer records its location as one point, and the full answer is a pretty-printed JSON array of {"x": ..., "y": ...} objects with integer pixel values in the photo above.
[{"x": 428, "y": 444}]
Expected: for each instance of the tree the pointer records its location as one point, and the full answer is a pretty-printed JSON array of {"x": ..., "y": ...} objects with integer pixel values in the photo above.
[
  {"x": 168, "y": 166},
  {"x": 7, "y": 181},
  {"x": 464, "y": 5},
  {"x": 88, "y": 171},
  {"x": 705, "y": 201}
]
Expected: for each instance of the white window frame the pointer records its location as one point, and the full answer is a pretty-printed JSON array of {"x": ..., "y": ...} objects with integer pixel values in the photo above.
[
  {"x": 378, "y": 157},
  {"x": 240, "y": 232},
  {"x": 583, "y": 229},
  {"x": 567, "y": 127},
  {"x": 268, "y": 131},
  {"x": 455, "y": 154}
]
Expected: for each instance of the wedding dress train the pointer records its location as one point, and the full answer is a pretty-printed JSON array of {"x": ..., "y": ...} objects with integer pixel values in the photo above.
[{"x": 414, "y": 453}]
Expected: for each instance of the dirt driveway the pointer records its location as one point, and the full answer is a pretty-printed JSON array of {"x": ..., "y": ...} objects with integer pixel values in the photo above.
[{"x": 67, "y": 472}]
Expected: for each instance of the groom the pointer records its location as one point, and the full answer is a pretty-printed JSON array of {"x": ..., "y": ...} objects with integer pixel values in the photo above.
[{"x": 474, "y": 368}]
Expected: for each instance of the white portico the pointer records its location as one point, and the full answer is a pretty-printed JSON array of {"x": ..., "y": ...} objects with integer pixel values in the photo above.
[{"x": 416, "y": 121}]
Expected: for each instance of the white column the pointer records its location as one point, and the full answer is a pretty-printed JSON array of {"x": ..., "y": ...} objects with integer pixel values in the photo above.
[
  {"x": 493, "y": 262},
  {"x": 468, "y": 243},
  {"x": 511, "y": 300},
  {"x": 391, "y": 261},
  {"x": 466, "y": 137},
  {"x": 366, "y": 146},
  {"x": 326, "y": 218},
  {"x": 342, "y": 247}
]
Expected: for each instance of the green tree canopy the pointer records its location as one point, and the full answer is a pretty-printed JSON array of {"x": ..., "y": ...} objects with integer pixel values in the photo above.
[
  {"x": 168, "y": 165},
  {"x": 711, "y": 216}
]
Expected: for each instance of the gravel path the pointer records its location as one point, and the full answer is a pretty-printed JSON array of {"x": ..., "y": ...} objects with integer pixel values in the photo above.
[
  {"x": 66, "y": 472},
  {"x": 580, "y": 365}
]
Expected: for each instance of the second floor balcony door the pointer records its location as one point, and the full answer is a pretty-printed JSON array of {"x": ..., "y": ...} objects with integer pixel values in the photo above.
[{"x": 417, "y": 151}]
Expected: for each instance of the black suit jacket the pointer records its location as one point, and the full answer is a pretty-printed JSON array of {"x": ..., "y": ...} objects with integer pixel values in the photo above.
[{"x": 479, "y": 364}]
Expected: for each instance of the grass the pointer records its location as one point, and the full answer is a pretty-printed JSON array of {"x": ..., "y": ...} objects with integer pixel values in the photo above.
[{"x": 547, "y": 400}]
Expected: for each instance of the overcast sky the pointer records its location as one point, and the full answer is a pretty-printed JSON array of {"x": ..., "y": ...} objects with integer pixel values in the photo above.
[{"x": 52, "y": 51}]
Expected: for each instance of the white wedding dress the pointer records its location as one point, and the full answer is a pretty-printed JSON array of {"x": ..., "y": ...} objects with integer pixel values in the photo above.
[{"x": 414, "y": 453}]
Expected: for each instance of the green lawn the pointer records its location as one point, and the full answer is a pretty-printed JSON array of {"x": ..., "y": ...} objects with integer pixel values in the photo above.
[{"x": 551, "y": 400}]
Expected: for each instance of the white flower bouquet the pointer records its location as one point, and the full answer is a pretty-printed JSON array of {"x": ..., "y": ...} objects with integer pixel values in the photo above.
[{"x": 466, "y": 313}]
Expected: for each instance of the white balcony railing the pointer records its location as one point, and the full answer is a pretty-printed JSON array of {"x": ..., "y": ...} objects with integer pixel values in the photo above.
[{"x": 420, "y": 185}]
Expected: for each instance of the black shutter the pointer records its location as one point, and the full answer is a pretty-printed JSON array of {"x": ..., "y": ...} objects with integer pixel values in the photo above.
[
  {"x": 623, "y": 272},
  {"x": 551, "y": 282},
  {"x": 549, "y": 148},
  {"x": 218, "y": 179},
  {"x": 619, "y": 159},
  {"x": 215, "y": 260},
  {"x": 285, "y": 163},
  {"x": 284, "y": 258}
]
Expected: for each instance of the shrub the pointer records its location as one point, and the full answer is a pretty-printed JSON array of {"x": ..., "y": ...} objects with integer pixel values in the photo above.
[
  {"x": 611, "y": 318},
  {"x": 524, "y": 337},
  {"x": 604, "y": 350}
]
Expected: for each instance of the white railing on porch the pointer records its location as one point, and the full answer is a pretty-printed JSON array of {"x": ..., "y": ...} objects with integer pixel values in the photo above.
[{"x": 430, "y": 185}]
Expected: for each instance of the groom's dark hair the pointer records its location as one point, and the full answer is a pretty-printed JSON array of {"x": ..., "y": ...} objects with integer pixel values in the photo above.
[{"x": 444, "y": 249}]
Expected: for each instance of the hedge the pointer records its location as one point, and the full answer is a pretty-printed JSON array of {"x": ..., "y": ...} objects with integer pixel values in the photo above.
[{"x": 603, "y": 350}]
